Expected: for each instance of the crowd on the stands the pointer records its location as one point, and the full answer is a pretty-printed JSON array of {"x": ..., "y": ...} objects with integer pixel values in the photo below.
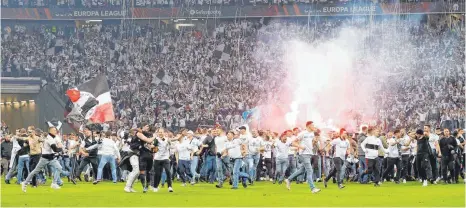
[{"x": 177, "y": 79}]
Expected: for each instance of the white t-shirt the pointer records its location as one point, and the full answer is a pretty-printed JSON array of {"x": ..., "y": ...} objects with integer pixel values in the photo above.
[
  {"x": 163, "y": 152},
  {"x": 254, "y": 144},
  {"x": 267, "y": 149},
  {"x": 184, "y": 150},
  {"x": 306, "y": 138},
  {"x": 340, "y": 147},
  {"x": 220, "y": 143},
  {"x": 234, "y": 148},
  {"x": 432, "y": 139},
  {"x": 282, "y": 149}
]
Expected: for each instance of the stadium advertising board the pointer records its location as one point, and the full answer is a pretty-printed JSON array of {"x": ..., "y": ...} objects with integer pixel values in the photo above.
[{"x": 231, "y": 11}]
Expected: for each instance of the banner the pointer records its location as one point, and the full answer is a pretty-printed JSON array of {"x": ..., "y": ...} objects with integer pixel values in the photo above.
[{"x": 234, "y": 11}]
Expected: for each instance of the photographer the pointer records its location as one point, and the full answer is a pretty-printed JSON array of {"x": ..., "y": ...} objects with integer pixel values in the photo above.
[{"x": 448, "y": 146}]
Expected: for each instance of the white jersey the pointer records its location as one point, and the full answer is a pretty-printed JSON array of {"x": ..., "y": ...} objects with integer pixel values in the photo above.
[
  {"x": 267, "y": 149},
  {"x": 341, "y": 146},
  {"x": 305, "y": 139}
]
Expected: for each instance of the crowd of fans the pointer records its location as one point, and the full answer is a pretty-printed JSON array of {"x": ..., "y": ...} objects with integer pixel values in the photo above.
[{"x": 200, "y": 89}]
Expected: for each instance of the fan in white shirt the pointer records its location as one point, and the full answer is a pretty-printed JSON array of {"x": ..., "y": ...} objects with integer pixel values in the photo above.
[
  {"x": 183, "y": 158},
  {"x": 341, "y": 145}
]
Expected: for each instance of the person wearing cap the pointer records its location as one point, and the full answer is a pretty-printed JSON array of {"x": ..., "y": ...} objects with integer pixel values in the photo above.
[
  {"x": 341, "y": 146},
  {"x": 305, "y": 142},
  {"x": 424, "y": 154},
  {"x": 371, "y": 146}
]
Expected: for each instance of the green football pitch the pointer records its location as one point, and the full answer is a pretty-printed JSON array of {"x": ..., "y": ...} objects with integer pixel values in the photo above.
[{"x": 106, "y": 194}]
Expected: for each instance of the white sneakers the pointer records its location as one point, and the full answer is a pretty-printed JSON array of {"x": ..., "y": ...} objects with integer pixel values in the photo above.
[
  {"x": 288, "y": 184},
  {"x": 183, "y": 184},
  {"x": 404, "y": 180},
  {"x": 129, "y": 190},
  {"x": 424, "y": 183},
  {"x": 315, "y": 190},
  {"x": 55, "y": 186},
  {"x": 170, "y": 189},
  {"x": 318, "y": 179},
  {"x": 155, "y": 190}
]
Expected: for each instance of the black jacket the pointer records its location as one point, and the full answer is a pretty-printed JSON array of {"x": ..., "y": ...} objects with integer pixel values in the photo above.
[{"x": 6, "y": 148}]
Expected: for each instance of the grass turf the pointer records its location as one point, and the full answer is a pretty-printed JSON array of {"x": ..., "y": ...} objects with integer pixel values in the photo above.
[{"x": 107, "y": 194}]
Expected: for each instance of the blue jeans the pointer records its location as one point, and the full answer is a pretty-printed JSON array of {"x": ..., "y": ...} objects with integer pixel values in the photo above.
[
  {"x": 194, "y": 163},
  {"x": 21, "y": 161},
  {"x": 103, "y": 161},
  {"x": 292, "y": 163},
  {"x": 210, "y": 168},
  {"x": 164, "y": 177},
  {"x": 236, "y": 172},
  {"x": 67, "y": 164},
  {"x": 184, "y": 167},
  {"x": 253, "y": 161},
  {"x": 57, "y": 169},
  {"x": 281, "y": 166},
  {"x": 222, "y": 168},
  {"x": 362, "y": 168},
  {"x": 305, "y": 168}
]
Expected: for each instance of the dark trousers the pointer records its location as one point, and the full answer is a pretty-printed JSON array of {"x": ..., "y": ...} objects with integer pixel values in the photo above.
[
  {"x": 373, "y": 167},
  {"x": 391, "y": 162},
  {"x": 433, "y": 164},
  {"x": 405, "y": 166},
  {"x": 33, "y": 161},
  {"x": 448, "y": 164},
  {"x": 335, "y": 172},
  {"x": 87, "y": 160},
  {"x": 412, "y": 168},
  {"x": 159, "y": 166},
  {"x": 268, "y": 166},
  {"x": 424, "y": 166}
]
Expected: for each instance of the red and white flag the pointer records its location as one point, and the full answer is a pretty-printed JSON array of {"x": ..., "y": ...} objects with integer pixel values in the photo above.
[{"x": 91, "y": 102}]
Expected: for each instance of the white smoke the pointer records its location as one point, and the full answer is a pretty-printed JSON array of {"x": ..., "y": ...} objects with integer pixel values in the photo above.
[{"x": 333, "y": 78}]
